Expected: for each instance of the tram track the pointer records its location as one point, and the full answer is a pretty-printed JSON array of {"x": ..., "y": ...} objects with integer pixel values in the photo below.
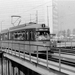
[
  {"x": 64, "y": 50},
  {"x": 50, "y": 58},
  {"x": 63, "y": 61}
]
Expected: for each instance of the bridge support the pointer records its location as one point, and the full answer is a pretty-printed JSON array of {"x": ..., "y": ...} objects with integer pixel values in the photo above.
[
  {"x": 13, "y": 68},
  {"x": 1, "y": 57}
]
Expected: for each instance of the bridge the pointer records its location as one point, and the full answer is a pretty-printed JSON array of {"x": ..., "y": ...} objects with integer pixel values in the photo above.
[{"x": 23, "y": 63}]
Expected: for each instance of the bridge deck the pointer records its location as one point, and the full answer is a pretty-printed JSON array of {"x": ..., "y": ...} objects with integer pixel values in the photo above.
[{"x": 39, "y": 65}]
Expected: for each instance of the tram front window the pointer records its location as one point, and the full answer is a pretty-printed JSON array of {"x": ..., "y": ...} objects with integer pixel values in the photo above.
[{"x": 42, "y": 35}]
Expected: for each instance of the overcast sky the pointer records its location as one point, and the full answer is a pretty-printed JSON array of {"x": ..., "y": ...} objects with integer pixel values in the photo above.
[
  {"x": 23, "y": 8},
  {"x": 66, "y": 14}
]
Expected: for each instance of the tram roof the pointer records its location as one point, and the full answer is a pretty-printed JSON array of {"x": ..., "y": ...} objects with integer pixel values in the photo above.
[{"x": 24, "y": 26}]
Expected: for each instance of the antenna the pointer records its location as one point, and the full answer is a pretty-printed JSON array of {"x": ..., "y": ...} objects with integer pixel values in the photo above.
[{"x": 16, "y": 19}]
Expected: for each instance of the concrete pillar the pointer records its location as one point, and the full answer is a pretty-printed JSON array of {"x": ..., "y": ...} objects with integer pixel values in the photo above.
[
  {"x": 15, "y": 71},
  {"x": 18, "y": 71},
  {"x": 5, "y": 66},
  {"x": 22, "y": 70},
  {"x": 8, "y": 67},
  {"x": 28, "y": 72},
  {"x": 12, "y": 68},
  {"x": 1, "y": 64}
]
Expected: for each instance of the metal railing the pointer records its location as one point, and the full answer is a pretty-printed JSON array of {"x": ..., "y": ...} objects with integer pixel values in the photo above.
[{"x": 29, "y": 54}]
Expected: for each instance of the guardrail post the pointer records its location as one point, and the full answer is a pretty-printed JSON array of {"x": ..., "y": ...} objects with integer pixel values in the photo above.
[
  {"x": 12, "y": 48},
  {"x": 65, "y": 44},
  {"x": 15, "y": 51},
  {"x": 8, "y": 47},
  {"x": 19, "y": 49},
  {"x": 59, "y": 59},
  {"x": 71, "y": 44},
  {"x": 24, "y": 51},
  {"x": 47, "y": 57},
  {"x": 37, "y": 54},
  {"x": 29, "y": 52},
  {"x": 19, "y": 53},
  {"x": 24, "y": 54}
]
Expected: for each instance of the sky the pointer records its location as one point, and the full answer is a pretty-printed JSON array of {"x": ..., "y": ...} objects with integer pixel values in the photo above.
[
  {"x": 27, "y": 9},
  {"x": 66, "y": 14},
  {"x": 23, "y": 8}
]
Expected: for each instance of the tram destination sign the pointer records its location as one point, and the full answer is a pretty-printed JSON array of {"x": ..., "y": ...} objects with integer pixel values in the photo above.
[{"x": 43, "y": 29}]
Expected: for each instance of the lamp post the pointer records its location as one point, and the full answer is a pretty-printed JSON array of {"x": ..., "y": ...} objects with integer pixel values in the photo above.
[{"x": 1, "y": 24}]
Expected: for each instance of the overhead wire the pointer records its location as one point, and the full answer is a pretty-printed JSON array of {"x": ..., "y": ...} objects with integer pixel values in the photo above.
[{"x": 37, "y": 6}]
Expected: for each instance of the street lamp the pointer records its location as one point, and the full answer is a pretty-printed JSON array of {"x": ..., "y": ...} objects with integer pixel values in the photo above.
[{"x": 1, "y": 24}]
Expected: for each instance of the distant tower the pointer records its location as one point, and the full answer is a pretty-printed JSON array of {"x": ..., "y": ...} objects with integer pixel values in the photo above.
[{"x": 55, "y": 16}]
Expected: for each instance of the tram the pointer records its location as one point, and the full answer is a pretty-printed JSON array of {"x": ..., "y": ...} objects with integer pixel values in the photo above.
[{"x": 27, "y": 37}]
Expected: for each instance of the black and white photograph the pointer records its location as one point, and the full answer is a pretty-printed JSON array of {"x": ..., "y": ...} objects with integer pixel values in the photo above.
[{"x": 37, "y": 37}]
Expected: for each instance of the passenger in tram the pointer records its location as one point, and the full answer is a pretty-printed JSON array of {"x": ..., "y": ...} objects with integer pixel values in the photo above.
[{"x": 42, "y": 36}]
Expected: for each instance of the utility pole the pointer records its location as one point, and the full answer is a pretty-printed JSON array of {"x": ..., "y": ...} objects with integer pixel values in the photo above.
[
  {"x": 30, "y": 17},
  {"x": 47, "y": 17},
  {"x": 36, "y": 16}
]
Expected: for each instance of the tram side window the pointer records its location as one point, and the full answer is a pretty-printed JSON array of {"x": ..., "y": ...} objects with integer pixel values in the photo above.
[
  {"x": 6, "y": 36},
  {"x": 32, "y": 35},
  {"x": 19, "y": 36},
  {"x": 12, "y": 36},
  {"x": 23, "y": 35},
  {"x": 2, "y": 36},
  {"x": 27, "y": 35}
]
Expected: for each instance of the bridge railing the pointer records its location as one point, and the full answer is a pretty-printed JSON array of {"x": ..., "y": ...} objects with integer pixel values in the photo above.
[{"x": 29, "y": 54}]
